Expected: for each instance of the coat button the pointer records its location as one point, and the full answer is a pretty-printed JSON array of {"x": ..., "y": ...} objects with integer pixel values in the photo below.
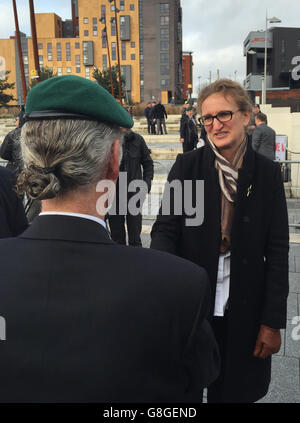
[
  {"x": 244, "y": 261},
  {"x": 246, "y": 219}
]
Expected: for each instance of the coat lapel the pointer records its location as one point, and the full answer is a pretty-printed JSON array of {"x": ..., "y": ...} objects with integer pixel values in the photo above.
[
  {"x": 67, "y": 228},
  {"x": 245, "y": 188}
]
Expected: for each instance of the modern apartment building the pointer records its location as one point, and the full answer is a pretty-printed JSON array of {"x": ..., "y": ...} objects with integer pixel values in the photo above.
[{"x": 150, "y": 45}]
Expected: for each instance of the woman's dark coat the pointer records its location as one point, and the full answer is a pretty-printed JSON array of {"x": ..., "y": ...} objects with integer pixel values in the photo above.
[{"x": 259, "y": 258}]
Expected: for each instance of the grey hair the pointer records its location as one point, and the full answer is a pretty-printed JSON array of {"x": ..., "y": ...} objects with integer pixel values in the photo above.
[{"x": 62, "y": 155}]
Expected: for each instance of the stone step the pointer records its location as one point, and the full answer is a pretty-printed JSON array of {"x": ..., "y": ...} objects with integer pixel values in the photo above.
[
  {"x": 164, "y": 153},
  {"x": 157, "y": 139}
]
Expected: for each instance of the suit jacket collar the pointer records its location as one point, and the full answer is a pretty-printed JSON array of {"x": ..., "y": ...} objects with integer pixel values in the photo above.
[{"x": 67, "y": 228}]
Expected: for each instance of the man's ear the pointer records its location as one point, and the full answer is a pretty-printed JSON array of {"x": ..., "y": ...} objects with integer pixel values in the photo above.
[{"x": 113, "y": 165}]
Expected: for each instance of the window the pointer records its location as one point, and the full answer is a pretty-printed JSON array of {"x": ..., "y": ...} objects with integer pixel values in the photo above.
[
  {"x": 104, "y": 45},
  {"x": 113, "y": 51},
  {"x": 59, "y": 71},
  {"x": 25, "y": 60},
  {"x": 49, "y": 50},
  {"x": 78, "y": 69},
  {"x": 95, "y": 27},
  {"x": 40, "y": 46},
  {"x": 123, "y": 50},
  {"x": 86, "y": 33},
  {"x": 104, "y": 62},
  {"x": 282, "y": 66},
  {"x": 164, "y": 8},
  {"x": 85, "y": 20},
  {"x": 85, "y": 52},
  {"x": 164, "y": 32},
  {"x": 122, "y": 4},
  {"x": 164, "y": 20},
  {"x": 41, "y": 60},
  {"x": 103, "y": 11},
  {"x": 164, "y": 84},
  {"x": 77, "y": 45},
  {"x": 164, "y": 69},
  {"x": 132, "y": 44},
  {"x": 68, "y": 51},
  {"x": 164, "y": 45},
  {"x": 69, "y": 70},
  {"x": 87, "y": 72},
  {"x": 132, "y": 56},
  {"x": 164, "y": 57},
  {"x": 113, "y": 28},
  {"x": 77, "y": 59},
  {"x": 58, "y": 51},
  {"x": 131, "y": 7}
]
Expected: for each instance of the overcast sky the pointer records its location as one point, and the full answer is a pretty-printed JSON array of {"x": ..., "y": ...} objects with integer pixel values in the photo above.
[{"x": 213, "y": 30}]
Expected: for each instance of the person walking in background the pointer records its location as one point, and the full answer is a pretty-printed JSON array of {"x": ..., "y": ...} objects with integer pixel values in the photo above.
[
  {"x": 264, "y": 137},
  {"x": 242, "y": 241},
  {"x": 152, "y": 118},
  {"x": 188, "y": 130},
  {"x": 136, "y": 164},
  {"x": 147, "y": 115},
  {"x": 160, "y": 114},
  {"x": 252, "y": 124}
]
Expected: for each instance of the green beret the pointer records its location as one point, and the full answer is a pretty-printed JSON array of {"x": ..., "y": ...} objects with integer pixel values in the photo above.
[
  {"x": 74, "y": 97},
  {"x": 189, "y": 108}
]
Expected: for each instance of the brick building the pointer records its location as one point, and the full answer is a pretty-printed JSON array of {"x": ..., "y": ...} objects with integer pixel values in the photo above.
[{"x": 150, "y": 45}]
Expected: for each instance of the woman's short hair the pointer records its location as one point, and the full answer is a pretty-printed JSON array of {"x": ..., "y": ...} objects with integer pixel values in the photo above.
[
  {"x": 63, "y": 155},
  {"x": 227, "y": 87}
]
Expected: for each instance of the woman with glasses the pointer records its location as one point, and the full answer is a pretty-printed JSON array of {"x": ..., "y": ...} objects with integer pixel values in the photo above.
[{"x": 242, "y": 241}]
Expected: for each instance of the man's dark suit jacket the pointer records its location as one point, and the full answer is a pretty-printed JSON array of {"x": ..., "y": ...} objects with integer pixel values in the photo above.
[
  {"x": 88, "y": 320},
  {"x": 264, "y": 141},
  {"x": 12, "y": 215}
]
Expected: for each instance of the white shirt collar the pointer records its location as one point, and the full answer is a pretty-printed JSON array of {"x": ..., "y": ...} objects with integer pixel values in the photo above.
[{"x": 83, "y": 216}]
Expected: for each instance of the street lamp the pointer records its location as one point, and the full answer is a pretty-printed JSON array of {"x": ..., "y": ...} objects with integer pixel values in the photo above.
[
  {"x": 264, "y": 80},
  {"x": 104, "y": 34},
  {"x": 118, "y": 49}
]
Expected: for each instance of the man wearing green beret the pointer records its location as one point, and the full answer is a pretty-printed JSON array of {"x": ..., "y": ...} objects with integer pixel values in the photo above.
[
  {"x": 188, "y": 130},
  {"x": 90, "y": 320}
]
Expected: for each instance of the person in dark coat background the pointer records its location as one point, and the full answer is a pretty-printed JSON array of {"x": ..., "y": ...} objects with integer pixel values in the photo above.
[
  {"x": 12, "y": 215},
  {"x": 242, "y": 242},
  {"x": 152, "y": 118},
  {"x": 188, "y": 130},
  {"x": 160, "y": 115},
  {"x": 88, "y": 320},
  {"x": 264, "y": 137},
  {"x": 10, "y": 149},
  {"x": 138, "y": 165},
  {"x": 147, "y": 116}
]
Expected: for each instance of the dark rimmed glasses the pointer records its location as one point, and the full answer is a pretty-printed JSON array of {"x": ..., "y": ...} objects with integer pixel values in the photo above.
[{"x": 223, "y": 116}]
